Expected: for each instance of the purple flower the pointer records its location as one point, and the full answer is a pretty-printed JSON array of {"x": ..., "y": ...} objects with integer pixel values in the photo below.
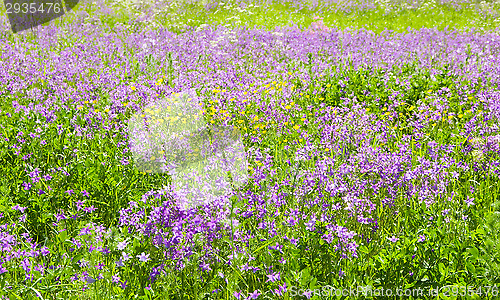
[
  {"x": 115, "y": 278},
  {"x": 84, "y": 192},
  {"x": 123, "y": 284},
  {"x": 469, "y": 201},
  {"x": 19, "y": 208},
  {"x": 237, "y": 295},
  {"x": 125, "y": 256},
  {"x": 122, "y": 245},
  {"x": 90, "y": 280},
  {"x": 89, "y": 209},
  {"x": 2, "y": 269},
  {"x": 79, "y": 204},
  {"x": 393, "y": 239},
  {"x": 254, "y": 295},
  {"x": 273, "y": 277},
  {"x": 421, "y": 238},
  {"x": 307, "y": 293},
  {"x": 45, "y": 251},
  {"x": 311, "y": 224},
  {"x": 22, "y": 218},
  {"x": 143, "y": 257},
  {"x": 120, "y": 263},
  {"x": 85, "y": 231},
  {"x": 70, "y": 192},
  {"x": 27, "y": 186}
]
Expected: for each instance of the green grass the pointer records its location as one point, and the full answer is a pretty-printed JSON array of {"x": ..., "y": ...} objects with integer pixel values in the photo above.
[{"x": 455, "y": 253}]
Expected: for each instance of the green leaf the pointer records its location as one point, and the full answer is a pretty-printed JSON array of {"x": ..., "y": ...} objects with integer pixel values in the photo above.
[
  {"x": 13, "y": 296},
  {"x": 474, "y": 252},
  {"x": 312, "y": 284},
  {"x": 304, "y": 276},
  {"x": 441, "y": 268},
  {"x": 470, "y": 268},
  {"x": 364, "y": 249}
]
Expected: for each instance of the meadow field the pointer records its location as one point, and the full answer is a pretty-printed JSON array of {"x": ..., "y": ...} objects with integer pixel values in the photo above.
[{"x": 369, "y": 153}]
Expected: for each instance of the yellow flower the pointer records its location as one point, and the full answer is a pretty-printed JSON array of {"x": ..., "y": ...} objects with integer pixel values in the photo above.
[
  {"x": 327, "y": 149},
  {"x": 288, "y": 107},
  {"x": 296, "y": 127},
  {"x": 132, "y": 88},
  {"x": 460, "y": 116},
  {"x": 256, "y": 118}
]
